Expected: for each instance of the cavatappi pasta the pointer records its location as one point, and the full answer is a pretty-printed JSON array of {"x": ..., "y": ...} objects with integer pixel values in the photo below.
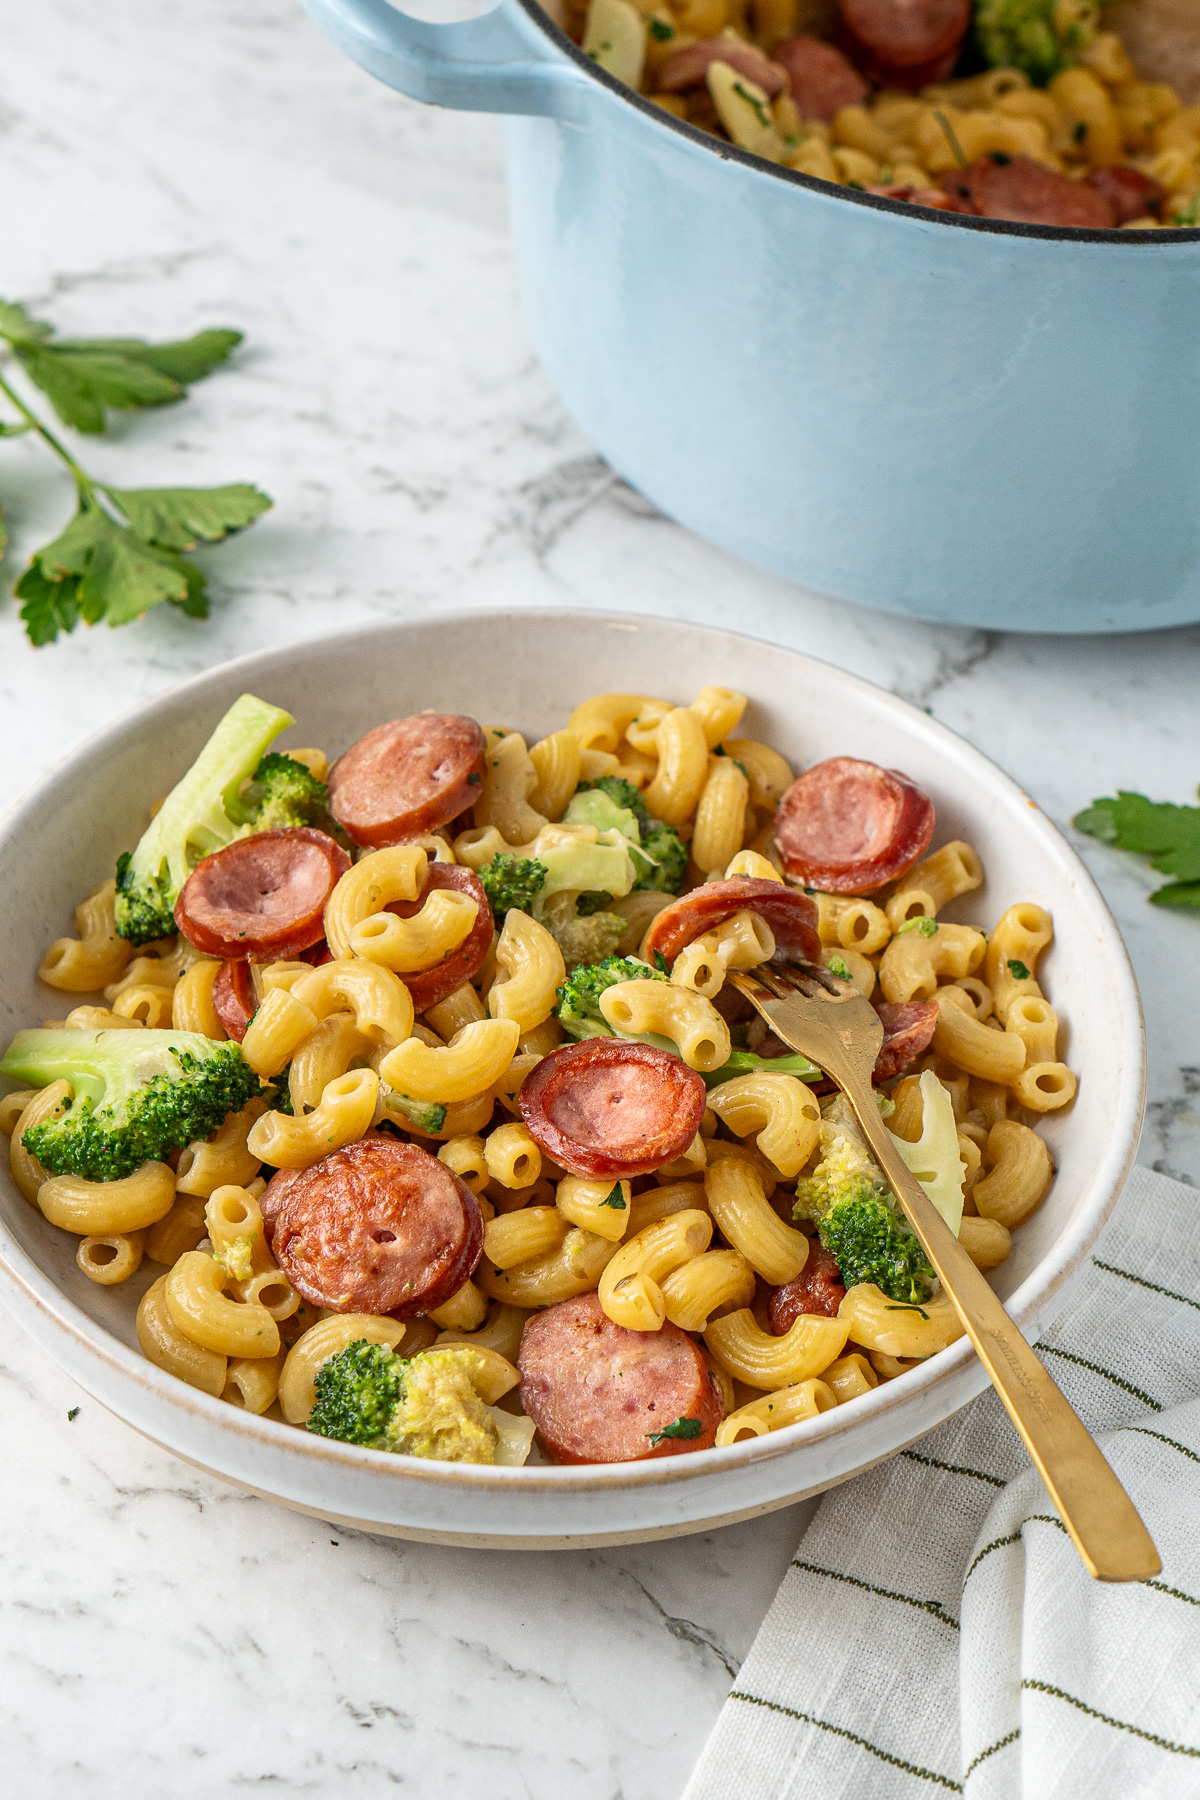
[
  {"x": 1043, "y": 118},
  {"x": 413, "y": 1169}
]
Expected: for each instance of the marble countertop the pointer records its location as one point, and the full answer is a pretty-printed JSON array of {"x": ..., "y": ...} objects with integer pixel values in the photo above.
[{"x": 167, "y": 168}]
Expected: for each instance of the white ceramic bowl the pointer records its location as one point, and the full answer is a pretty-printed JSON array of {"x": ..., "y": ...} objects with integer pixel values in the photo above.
[{"x": 528, "y": 670}]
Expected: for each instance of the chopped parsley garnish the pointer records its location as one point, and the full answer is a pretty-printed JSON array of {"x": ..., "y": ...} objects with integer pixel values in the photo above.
[
  {"x": 616, "y": 1199},
  {"x": 1017, "y": 970},
  {"x": 1080, "y": 131},
  {"x": 661, "y": 963},
  {"x": 682, "y": 1428},
  {"x": 916, "y": 1309},
  {"x": 72, "y": 1415},
  {"x": 922, "y": 926},
  {"x": 660, "y": 31}
]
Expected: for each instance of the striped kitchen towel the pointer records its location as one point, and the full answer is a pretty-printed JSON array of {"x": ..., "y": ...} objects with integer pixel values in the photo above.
[{"x": 936, "y": 1631}]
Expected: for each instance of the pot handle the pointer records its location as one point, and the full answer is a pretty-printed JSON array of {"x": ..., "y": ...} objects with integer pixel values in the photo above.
[{"x": 487, "y": 64}]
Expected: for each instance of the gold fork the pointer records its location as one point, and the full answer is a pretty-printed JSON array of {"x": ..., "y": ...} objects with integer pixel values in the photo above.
[{"x": 828, "y": 1021}]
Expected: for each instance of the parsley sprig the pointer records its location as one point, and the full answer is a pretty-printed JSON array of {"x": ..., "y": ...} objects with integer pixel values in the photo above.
[
  {"x": 1169, "y": 835},
  {"x": 126, "y": 549}
]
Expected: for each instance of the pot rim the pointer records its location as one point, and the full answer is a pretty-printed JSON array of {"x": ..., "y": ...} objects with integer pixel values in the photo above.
[{"x": 1167, "y": 238}]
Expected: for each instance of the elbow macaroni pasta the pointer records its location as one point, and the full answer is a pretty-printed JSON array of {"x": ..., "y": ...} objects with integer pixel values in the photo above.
[{"x": 687, "y": 1247}]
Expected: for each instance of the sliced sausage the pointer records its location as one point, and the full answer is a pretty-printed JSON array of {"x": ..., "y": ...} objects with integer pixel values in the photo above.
[
  {"x": 407, "y": 777},
  {"x": 791, "y": 916},
  {"x": 599, "y": 1393},
  {"x": 1017, "y": 188},
  {"x": 689, "y": 67},
  {"x": 378, "y": 1227},
  {"x": 817, "y": 1289},
  {"x": 937, "y": 198},
  {"x": 429, "y": 986},
  {"x": 908, "y": 1029},
  {"x": 234, "y": 999},
  {"x": 847, "y": 826},
  {"x": 822, "y": 79},
  {"x": 904, "y": 43},
  {"x": 261, "y": 897},
  {"x": 1131, "y": 194},
  {"x": 612, "y": 1106}
]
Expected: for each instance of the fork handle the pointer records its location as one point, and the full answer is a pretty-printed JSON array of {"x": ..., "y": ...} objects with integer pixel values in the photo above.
[{"x": 1105, "y": 1527}]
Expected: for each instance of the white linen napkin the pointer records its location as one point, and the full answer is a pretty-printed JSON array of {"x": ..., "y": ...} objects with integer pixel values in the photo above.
[{"x": 936, "y": 1631}]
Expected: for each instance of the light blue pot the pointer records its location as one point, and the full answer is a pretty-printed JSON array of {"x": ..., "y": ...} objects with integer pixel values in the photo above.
[{"x": 959, "y": 419}]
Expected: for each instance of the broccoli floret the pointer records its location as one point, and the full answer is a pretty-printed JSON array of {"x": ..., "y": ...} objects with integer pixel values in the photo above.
[
  {"x": 138, "y": 1095},
  {"x": 666, "y": 855},
  {"x": 745, "y": 1062},
  {"x": 358, "y": 1390},
  {"x": 869, "y": 1242},
  {"x": 512, "y": 882},
  {"x": 426, "y": 1405},
  {"x": 283, "y": 794},
  {"x": 657, "y": 851},
  {"x": 856, "y": 1219},
  {"x": 621, "y": 793},
  {"x": 578, "y": 1010},
  {"x": 202, "y": 813},
  {"x": 428, "y": 1116},
  {"x": 1020, "y": 34}
]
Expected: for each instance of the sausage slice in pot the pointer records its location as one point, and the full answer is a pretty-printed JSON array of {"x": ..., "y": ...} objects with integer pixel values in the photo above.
[
  {"x": 612, "y": 1106},
  {"x": 599, "y": 1393}
]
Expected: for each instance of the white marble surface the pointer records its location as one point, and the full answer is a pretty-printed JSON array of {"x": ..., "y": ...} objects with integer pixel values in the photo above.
[{"x": 170, "y": 167}]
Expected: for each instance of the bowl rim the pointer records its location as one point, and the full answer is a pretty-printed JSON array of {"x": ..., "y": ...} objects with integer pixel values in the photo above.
[
  {"x": 1027, "y": 1303},
  {"x": 1161, "y": 239}
]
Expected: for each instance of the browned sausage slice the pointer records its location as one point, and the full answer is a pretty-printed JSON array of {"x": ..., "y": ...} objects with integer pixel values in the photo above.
[
  {"x": 1017, "y": 188},
  {"x": 612, "y": 1106},
  {"x": 261, "y": 897},
  {"x": 689, "y": 67},
  {"x": 378, "y": 1227},
  {"x": 847, "y": 827},
  {"x": 407, "y": 777},
  {"x": 908, "y": 1028},
  {"x": 791, "y": 916},
  {"x": 822, "y": 79},
  {"x": 817, "y": 1289},
  {"x": 904, "y": 43},
  {"x": 601, "y": 1394},
  {"x": 234, "y": 999},
  {"x": 429, "y": 986},
  {"x": 1131, "y": 194}
]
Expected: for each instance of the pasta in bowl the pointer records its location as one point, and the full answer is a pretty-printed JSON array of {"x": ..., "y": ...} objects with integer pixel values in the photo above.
[{"x": 482, "y": 1154}]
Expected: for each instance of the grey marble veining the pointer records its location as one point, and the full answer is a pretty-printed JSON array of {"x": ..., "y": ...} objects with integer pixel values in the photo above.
[{"x": 166, "y": 168}]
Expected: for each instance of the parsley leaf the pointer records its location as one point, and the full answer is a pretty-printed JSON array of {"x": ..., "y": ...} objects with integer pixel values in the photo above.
[
  {"x": 123, "y": 551},
  {"x": 1169, "y": 835},
  {"x": 84, "y": 376},
  {"x": 177, "y": 518},
  {"x": 616, "y": 1199},
  {"x": 682, "y": 1428},
  {"x": 1017, "y": 970},
  {"x": 924, "y": 927},
  {"x": 661, "y": 963}
]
